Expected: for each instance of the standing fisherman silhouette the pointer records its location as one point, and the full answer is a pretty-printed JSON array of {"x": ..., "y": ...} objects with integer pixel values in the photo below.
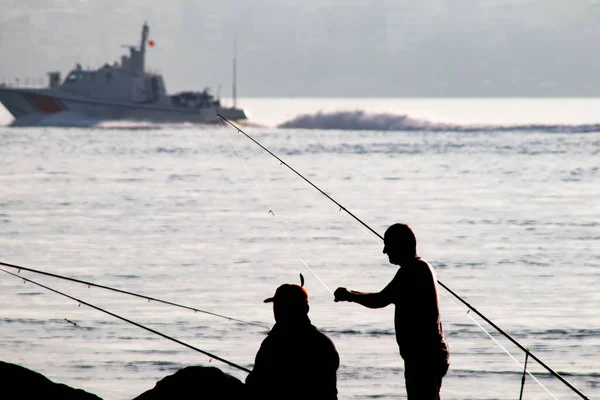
[
  {"x": 419, "y": 332},
  {"x": 295, "y": 361}
]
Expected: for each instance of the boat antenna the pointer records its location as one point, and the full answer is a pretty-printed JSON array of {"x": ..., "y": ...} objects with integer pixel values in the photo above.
[
  {"x": 88, "y": 284},
  {"x": 506, "y": 335},
  {"x": 131, "y": 322},
  {"x": 234, "y": 85}
]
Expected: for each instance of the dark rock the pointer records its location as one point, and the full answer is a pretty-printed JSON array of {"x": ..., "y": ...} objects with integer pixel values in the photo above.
[
  {"x": 196, "y": 383},
  {"x": 18, "y": 382}
]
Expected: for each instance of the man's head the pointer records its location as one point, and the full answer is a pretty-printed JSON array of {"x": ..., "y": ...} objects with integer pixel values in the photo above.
[
  {"x": 290, "y": 302},
  {"x": 399, "y": 243}
]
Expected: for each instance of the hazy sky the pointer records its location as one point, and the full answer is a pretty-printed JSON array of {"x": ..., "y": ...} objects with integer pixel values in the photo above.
[{"x": 329, "y": 48}]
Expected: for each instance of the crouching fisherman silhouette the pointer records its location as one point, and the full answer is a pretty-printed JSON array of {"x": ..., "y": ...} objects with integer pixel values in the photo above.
[{"x": 296, "y": 360}]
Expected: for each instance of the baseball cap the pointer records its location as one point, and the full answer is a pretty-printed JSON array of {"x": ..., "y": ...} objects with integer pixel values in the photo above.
[{"x": 288, "y": 293}]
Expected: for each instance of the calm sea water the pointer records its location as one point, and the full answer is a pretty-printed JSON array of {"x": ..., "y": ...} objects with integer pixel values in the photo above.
[{"x": 502, "y": 194}]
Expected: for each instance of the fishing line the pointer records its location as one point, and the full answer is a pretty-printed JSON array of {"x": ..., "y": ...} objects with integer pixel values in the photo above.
[
  {"x": 299, "y": 174},
  {"x": 554, "y": 373},
  {"x": 516, "y": 343},
  {"x": 87, "y": 283},
  {"x": 499, "y": 345},
  {"x": 212, "y": 356},
  {"x": 271, "y": 210}
]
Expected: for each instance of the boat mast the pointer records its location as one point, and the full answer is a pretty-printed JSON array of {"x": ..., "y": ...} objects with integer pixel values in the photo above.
[
  {"x": 145, "y": 31},
  {"x": 234, "y": 88}
]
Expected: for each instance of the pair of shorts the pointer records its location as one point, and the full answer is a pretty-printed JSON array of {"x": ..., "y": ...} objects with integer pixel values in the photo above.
[{"x": 423, "y": 381}]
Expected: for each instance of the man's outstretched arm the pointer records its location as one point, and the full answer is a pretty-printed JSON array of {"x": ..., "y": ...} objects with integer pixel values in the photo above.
[{"x": 367, "y": 299}]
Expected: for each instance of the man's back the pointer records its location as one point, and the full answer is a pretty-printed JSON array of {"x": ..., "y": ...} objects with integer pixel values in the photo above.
[
  {"x": 419, "y": 331},
  {"x": 295, "y": 362}
]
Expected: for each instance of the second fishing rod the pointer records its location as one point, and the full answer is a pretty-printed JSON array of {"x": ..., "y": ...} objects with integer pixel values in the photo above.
[
  {"x": 20, "y": 268},
  {"x": 105, "y": 311},
  {"x": 469, "y": 306}
]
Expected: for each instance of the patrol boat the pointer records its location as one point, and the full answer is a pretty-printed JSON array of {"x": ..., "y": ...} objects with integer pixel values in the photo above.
[{"x": 115, "y": 91}]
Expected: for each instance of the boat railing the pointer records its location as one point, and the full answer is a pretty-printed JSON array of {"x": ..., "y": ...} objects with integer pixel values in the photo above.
[{"x": 27, "y": 82}]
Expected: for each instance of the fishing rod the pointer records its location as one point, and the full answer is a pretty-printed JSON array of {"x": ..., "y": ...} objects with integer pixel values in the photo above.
[
  {"x": 131, "y": 322},
  {"x": 37, "y": 271},
  {"x": 506, "y": 335}
]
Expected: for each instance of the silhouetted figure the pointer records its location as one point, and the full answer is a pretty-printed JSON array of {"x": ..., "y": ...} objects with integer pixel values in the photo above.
[
  {"x": 417, "y": 320},
  {"x": 295, "y": 361}
]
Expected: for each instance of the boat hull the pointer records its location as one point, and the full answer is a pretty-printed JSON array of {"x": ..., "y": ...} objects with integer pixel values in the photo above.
[{"x": 29, "y": 106}]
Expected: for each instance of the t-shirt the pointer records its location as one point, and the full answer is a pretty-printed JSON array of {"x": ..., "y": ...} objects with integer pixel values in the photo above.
[{"x": 419, "y": 331}]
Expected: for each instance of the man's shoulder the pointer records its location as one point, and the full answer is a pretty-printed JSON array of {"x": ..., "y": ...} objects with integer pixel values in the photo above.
[
  {"x": 321, "y": 337},
  {"x": 421, "y": 262},
  {"x": 422, "y": 265},
  {"x": 318, "y": 333}
]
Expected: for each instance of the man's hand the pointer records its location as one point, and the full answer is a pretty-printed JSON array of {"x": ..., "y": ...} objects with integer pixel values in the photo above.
[{"x": 341, "y": 294}]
